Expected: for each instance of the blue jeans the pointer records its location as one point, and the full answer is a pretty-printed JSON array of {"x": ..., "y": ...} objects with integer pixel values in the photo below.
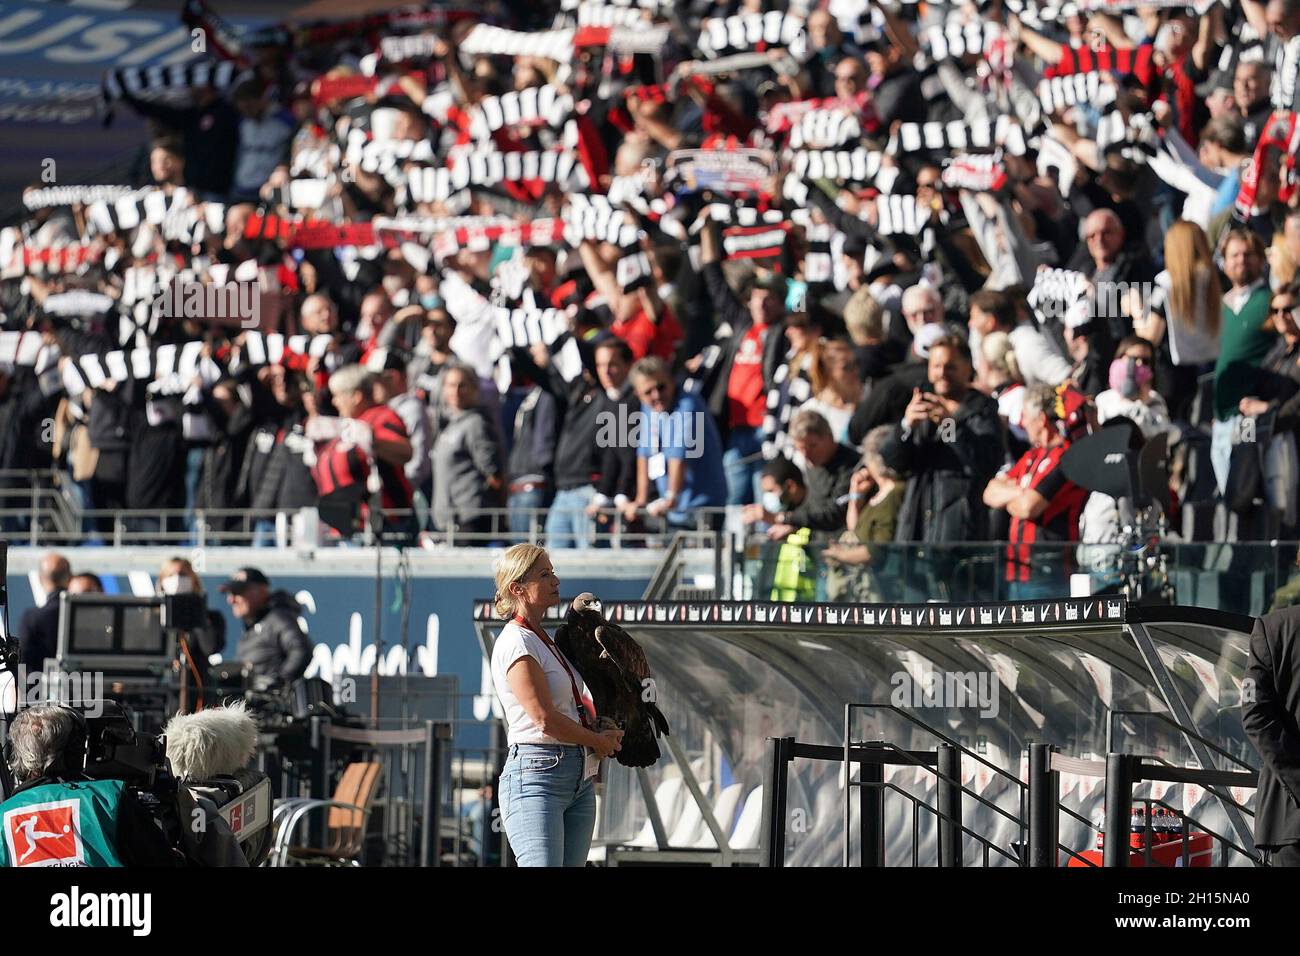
[
  {"x": 567, "y": 523},
  {"x": 1223, "y": 437},
  {"x": 520, "y": 504},
  {"x": 743, "y": 475},
  {"x": 1038, "y": 588},
  {"x": 264, "y": 533},
  {"x": 549, "y": 811}
]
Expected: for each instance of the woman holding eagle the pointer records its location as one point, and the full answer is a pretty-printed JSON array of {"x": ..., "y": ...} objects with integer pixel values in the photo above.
[{"x": 548, "y": 799}]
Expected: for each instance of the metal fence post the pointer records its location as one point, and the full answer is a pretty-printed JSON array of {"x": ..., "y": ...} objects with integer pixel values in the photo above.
[
  {"x": 871, "y": 819},
  {"x": 435, "y": 748},
  {"x": 774, "y": 798},
  {"x": 1119, "y": 809},
  {"x": 1044, "y": 807},
  {"x": 948, "y": 766}
]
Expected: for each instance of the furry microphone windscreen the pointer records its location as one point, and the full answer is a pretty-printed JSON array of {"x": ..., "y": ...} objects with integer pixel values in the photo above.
[{"x": 219, "y": 740}]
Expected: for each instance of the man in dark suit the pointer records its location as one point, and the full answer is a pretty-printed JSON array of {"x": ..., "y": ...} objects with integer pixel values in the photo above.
[
  {"x": 1270, "y": 713},
  {"x": 38, "y": 628}
]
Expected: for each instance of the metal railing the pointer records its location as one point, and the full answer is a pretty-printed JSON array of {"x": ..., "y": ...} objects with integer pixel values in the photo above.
[{"x": 1121, "y": 773}]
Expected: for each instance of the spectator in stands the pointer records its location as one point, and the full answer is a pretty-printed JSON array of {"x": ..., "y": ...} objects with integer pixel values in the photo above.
[
  {"x": 467, "y": 463},
  {"x": 793, "y": 570},
  {"x": 864, "y": 318},
  {"x": 895, "y": 87},
  {"x": 587, "y": 448},
  {"x": 1088, "y": 371},
  {"x": 842, "y": 388},
  {"x": 998, "y": 376},
  {"x": 1112, "y": 263},
  {"x": 389, "y": 365},
  {"x": 828, "y": 468},
  {"x": 1131, "y": 394},
  {"x": 233, "y": 421},
  {"x": 616, "y": 484},
  {"x": 679, "y": 454},
  {"x": 166, "y": 164},
  {"x": 950, "y": 444},
  {"x": 748, "y": 353},
  {"x": 855, "y": 570},
  {"x": 1250, "y": 84},
  {"x": 38, "y": 628},
  {"x": 1245, "y": 338},
  {"x": 1039, "y": 361},
  {"x": 275, "y": 475},
  {"x": 209, "y": 129},
  {"x": 1275, "y": 409},
  {"x": 1043, "y": 504},
  {"x": 376, "y": 312},
  {"x": 888, "y": 398},
  {"x": 344, "y": 463},
  {"x": 1184, "y": 318},
  {"x": 531, "y": 466},
  {"x": 264, "y": 138},
  {"x": 24, "y": 440}
]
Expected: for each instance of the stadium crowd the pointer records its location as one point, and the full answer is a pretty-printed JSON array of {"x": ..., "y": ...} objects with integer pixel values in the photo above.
[{"x": 877, "y": 265}]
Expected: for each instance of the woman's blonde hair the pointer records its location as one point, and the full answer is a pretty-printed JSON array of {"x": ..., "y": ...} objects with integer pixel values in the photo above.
[
  {"x": 1191, "y": 269},
  {"x": 514, "y": 566},
  {"x": 1000, "y": 355}
]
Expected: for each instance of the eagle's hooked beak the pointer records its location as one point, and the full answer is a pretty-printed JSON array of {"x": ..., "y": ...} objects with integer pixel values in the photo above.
[{"x": 586, "y": 601}]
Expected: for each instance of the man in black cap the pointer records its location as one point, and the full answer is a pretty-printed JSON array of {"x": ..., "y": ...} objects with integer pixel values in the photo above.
[{"x": 273, "y": 645}]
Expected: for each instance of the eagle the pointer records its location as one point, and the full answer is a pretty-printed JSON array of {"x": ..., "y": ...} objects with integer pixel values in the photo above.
[{"x": 614, "y": 668}]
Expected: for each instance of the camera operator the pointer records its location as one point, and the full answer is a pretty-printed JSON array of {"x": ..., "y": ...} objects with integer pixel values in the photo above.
[
  {"x": 58, "y": 816},
  {"x": 273, "y": 646}
]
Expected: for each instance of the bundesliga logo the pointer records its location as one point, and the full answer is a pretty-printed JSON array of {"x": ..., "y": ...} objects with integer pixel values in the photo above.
[{"x": 45, "y": 834}]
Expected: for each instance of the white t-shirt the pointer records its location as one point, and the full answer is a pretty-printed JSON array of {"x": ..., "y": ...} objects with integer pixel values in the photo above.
[{"x": 517, "y": 641}]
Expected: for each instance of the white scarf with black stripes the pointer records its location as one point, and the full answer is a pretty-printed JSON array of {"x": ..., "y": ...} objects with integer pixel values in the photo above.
[{"x": 145, "y": 80}]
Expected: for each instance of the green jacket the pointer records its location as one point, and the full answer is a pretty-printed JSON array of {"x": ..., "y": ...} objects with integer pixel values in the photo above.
[
  {"x": 793, "y": 580},
  {"x": 63, "y": 824}
]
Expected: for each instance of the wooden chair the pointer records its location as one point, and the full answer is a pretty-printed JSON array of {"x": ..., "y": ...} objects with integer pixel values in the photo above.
[{"x": 345, "y": 824}]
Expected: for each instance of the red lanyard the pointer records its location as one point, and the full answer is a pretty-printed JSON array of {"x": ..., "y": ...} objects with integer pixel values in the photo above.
[{"x": 577, "y": 697}]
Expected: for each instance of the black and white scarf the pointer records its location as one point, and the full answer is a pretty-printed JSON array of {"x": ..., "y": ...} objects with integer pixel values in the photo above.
[
  {"x": 536, "y": 105},
  {"x": 745, "y": 31},
  {"x": 486, "y": 40},
  {"x": 72, "y": 195},
  {"x": 147, "y": 80},
  {"x": 1055, "y": 292},
  {"x": 824, "y": 129},
  {"x": 1059, "y": 92},
  {"x": 958, "y": 39},
  {"x": 1006, "y": 132},
  {"x": 855, "y": 165}
]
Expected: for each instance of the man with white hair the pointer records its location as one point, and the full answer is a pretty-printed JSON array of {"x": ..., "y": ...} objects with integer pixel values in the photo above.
[
  {"x": 374, "y": 436},
  {"x": 57, "y": 816}
]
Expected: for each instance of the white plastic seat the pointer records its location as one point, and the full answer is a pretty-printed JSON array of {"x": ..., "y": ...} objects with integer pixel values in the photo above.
[
  {"x": 687, "y": 830},
  {"x": 750, "y": 823},
  {"x": 724, "y": 811},
  {"x": 668, "y": 798}
]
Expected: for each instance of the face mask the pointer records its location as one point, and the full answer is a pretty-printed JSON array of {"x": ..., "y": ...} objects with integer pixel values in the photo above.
[
  {"x": 430, "y": 300},
  {"x": 1127, "y": 377},
  {"x": 772, "y": 502},
  {"x": 175, "y": 584}
]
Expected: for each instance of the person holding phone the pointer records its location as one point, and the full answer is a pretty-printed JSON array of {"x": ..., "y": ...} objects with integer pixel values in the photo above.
[{"x": 548, "y": 801}]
